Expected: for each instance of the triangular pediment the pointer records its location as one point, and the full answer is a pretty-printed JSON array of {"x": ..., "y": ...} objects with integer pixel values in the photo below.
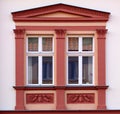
[{"x": 60, "y": 12}]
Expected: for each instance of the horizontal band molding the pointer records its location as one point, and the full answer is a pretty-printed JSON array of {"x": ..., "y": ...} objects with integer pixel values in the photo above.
[
  {"x": 73, "y": 28},
  {"x": 60, "y": 87},
  {"x": 60, "y": 111},
  {"x": 56, "y": 19}
]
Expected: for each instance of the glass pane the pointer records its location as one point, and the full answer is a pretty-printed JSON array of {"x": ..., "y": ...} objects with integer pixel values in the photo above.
[
  {"x": 73, "y": 70},
  {"x": 46, "y": 44},
  {"x": 33, "y": 70},
  {"x": 32, "y": 44},
  {"x": 73, "y": 44},
  {"x": 87, "y": 70},
  {"x": 87, "y": 44},
  {"x": 47, "y": 70}
]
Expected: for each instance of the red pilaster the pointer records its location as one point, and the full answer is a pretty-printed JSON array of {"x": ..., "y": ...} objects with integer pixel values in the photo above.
[
  {"x": 60, "y": 56},
  {"x": 19, "y": 40},
  {"x": 101, "y": 37},
  {"x": 60, "y": 61}
]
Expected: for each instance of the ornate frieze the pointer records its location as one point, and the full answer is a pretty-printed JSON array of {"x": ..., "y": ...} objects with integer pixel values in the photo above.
[
  {"x": 80, "y": 98},
  {"x": 39, "y": 98}
]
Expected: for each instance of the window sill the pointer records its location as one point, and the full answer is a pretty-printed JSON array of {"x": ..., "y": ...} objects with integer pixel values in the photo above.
[{"x": 60, "y": 87}]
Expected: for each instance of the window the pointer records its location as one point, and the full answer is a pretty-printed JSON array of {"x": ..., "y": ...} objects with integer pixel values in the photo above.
[
  {"x": 80, "y": 60},
  {"x": 40, "y": 57},
  {"x": 77, "y": 59}
]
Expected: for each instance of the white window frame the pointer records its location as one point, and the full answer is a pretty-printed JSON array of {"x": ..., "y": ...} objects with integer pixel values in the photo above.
[
  {"x": 39, "y": 54},
  {"x": 80, "y": 54},
  {"x": 27, "y": 44}
]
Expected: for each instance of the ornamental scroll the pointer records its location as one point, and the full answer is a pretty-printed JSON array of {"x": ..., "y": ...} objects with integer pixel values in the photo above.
[
  {"x": 39, "y": 98},
  {"x": 80, "y": 98}
]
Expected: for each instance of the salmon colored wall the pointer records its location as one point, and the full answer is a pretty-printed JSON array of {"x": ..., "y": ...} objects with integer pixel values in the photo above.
[
  {"x": 40, "y": 106},
  {"x": 82, "y": 106},
  {"x": 60, "y": 24}
]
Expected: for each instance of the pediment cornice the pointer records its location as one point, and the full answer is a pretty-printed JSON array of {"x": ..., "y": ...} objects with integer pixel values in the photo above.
[{"x": 75, "y": 14}]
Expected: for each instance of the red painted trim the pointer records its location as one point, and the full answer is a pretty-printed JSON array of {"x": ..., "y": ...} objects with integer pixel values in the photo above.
[
  {"x": 60, "y": 68},
  {"x": 80, "y": 98},
  {"x": 63, "y": 8},
  {"x": 62, "y": 19},
  {"x": 39, "y": 98},
  {"x": 19, "y": 100},
  {"x": 60, "y": 56},
  {"x": 101, "y": 36},
  {"x": 19, "y": 38},
  {"x": 62, "y": 112},
  {"x": 67, "y": 28},
  {"x": 61, "y": 88},
  {"x": 19, "y": 33},
  {"x": 60, "y": 94},
  {"x": 101, "y": 99}
]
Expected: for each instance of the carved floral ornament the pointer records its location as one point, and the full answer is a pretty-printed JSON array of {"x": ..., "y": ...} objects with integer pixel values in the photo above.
[
  {"x": 39, "y": 98},
  {"x": 81, "y": 98}
]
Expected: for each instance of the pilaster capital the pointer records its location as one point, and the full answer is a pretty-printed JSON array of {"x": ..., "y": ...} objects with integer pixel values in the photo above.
[
  {"x": 101, "y": 33},
  {"x": 60, "y": 33},
  {"x": 19, "y": 33}
]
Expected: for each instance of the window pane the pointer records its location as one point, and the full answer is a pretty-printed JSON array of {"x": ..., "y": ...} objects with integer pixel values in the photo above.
[
  {"x": 73, "y": 44},
  {"x": 47, "y": 44},
  {"x": 87, "y": 44},
  {"x": 33, "y": 70},
  {"x": 32, "y": 44},
  {"x": 87, "y": 70},
  {"x": 47, "y": 72},
  {"x": 73, "y": 70}
]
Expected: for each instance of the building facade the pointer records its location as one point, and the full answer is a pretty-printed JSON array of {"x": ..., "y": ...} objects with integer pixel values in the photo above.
[{"x": 61, "y": 60}]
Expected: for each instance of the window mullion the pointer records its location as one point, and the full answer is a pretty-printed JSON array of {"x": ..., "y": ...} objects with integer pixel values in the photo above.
[
  {"x": 40, "y": 70},
  {"x": 80, "y": 70},
  {"x": 80, "y": 61},
  {"x": 40, "y": 44},
  {"x": 80, "y": 44},
  {"x": 40, "y": 61}
]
